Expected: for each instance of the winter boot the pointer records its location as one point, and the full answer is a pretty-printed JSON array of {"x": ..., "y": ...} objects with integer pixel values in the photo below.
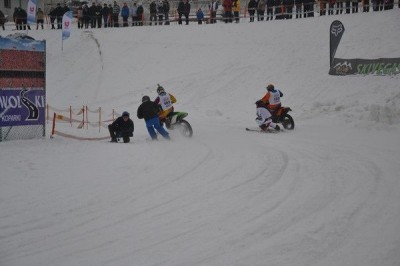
[{"x": 277, "y": 128}]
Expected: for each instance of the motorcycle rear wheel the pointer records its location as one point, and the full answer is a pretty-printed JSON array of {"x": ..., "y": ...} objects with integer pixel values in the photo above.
[
  {"x": 287, "y": 122},
  {"x": 185, "y": 128}
]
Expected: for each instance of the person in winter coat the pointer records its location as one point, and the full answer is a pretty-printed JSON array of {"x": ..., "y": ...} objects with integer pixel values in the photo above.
[
  {"x": 227, "y": 4},
  {"x": 181, "y": 10},
  {"x": 213, "y": 7},
  {"x": 160, "y": 13},
  {"x": 166, "y": 11},
  {"x": 270, "y": 9},
  {"x": 153, "y": 13},
  {"x": 236, "y": 10},
  {"x": 133, "y": 12},
  {"x": 148, "y": 111},
  {"x": 104, "y": 14},
  {"x": 260, "y": 10},
  {"x": 122, "y": 127},
  {"x": 86, "y": 16},
  {"x": 59, "y": 12},
  {"x": 299, "y": 8},
  {"x": 166, "y": 101},
  {"x": 2, "y": 20},
  {"x": 125, "y": 15},
  {"x": 200, "y": 16},
  {"x": 186, "y": 11},
  {"x": 251, "y": 7},
  {"x": 39, "y": 18},
  {"x": 115, "y": 14},
  {"x": 92, "y": 13},
  {"x": 140, "y": 14}
]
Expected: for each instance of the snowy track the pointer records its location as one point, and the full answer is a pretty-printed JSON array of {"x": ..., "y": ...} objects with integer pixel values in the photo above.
[{"x": 324, "y": 194}]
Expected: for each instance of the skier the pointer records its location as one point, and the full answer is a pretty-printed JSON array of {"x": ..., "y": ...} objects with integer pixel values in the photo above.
[
  {"x": 264, "y": 117},
  {"x": 148, "y": 110},
  {"x": 121, "y": 127},
  {"x": 165, "y": 100}
]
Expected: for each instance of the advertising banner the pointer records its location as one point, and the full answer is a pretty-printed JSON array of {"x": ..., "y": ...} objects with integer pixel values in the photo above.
[
  {"x": 19, "y": 107},
  {"x": 66, "y": 25},
  {"x": 32, "y": 11},
  {"x": 336, "y": 32},
  {"x": 22, "y": 81}
]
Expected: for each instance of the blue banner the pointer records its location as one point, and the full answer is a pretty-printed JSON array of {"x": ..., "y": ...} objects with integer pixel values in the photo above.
[
  {"x": 32, "y": 11},
  {"x": 19, "y": 107}
]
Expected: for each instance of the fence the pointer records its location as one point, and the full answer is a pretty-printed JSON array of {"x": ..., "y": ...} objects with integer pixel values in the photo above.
[{"x": 79, "y": 118}]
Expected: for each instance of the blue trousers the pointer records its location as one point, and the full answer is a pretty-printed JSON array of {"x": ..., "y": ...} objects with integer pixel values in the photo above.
[{"x": 154, "y": 123}]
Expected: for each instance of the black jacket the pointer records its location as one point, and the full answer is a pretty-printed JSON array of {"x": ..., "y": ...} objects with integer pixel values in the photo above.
[
  {"x": 148, "y": 110},
  {"x": 120, "y": 125}
]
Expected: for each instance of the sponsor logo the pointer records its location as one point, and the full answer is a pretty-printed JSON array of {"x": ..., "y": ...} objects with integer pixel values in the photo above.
[
  {"x": 343, "y": 68},
  {"x": 336, "y": 29}
]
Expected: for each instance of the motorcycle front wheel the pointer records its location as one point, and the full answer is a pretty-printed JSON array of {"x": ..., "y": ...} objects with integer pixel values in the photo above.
[
  {"x": 185, "y": 128},
  {"x": 287, "y": 122}
]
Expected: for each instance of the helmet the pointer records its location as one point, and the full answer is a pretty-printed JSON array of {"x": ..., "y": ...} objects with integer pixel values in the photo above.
[
  {"x": 270, "y": 87},
  {"x": 160, "y": 89},
  {"x": 125, "y": 113},
  {"x": 145, "y": 98}
]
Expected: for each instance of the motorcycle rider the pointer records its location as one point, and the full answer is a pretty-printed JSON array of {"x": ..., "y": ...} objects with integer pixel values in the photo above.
[
  {"x": 165, "y": 100},
  {"x": 272, "y": 98},
  {"x": 121, "y": 127}
]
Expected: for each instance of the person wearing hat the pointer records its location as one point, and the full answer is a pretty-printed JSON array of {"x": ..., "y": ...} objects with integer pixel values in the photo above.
[
  {"x": 148, "y": 111},
  {"x": 122, "y": 127}
]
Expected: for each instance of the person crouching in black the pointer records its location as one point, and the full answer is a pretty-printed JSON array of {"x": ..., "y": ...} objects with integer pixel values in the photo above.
[{"x": 121, "y": 127}]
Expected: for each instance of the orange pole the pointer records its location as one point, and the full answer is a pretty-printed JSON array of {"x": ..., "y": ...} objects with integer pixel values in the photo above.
[
  {"x": 87, "y": 118},
  {"x": 53, "y": 129},
  {"x": 99, "y": 118},
  {"x": 83, "y": 116},
  {"x": 70, "y": 115}
]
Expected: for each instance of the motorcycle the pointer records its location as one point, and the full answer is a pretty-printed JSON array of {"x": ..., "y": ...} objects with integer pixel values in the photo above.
[
  {"x": 176, "y": 121},
  {"x": 281, "y": 116}
]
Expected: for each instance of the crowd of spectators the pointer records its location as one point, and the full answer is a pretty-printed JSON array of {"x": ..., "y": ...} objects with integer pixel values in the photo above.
[{"x": 159, "y": 13}]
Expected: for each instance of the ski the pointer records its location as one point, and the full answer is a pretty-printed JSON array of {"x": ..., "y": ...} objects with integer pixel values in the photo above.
[{"x": 261, "y": 131}]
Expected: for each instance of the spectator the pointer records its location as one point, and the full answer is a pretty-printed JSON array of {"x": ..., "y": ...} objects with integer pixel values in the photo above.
[
  {"x": 365, "y": 5},
  {"x": 79, "y": 16},
  {"x": 299, "y": 8},
  {"x": 354, "y": 6},
  {"x": 125, "y": 15},
  {"x": 236, "y": 10},
  {"x": 2, "y": 20},
  {"x": 260, "y": 10},
  {"x": 200, "y": 16},
  {"x": 227, "y": 4},
  {"x": 92, "y": 14},
  {"x": 53, "y": 16},
  {"x": 289, "y": 8},
  {"x": 133, "y": 12},
  {"x": 160, "y": 13},
  {"x": 348, "y": 5},
  {"x": 59, "y": 12},
  {"x": 331, "y": 6},
  {"x": 115, "y": 14},
  {"x": 140, "y": 14},
  {"x": 98, "y": 15},
  {"x": 251, "y": 7},
  {"x": 279, "y": 10},
  {"x": 39, "y": 18},
  {"x": 213, "y": 7},
  {"x": 110, "y": 22},
  {"x": 166, "y": 11},
  {"x": 270, "y": 9},
  {"x": 322, "y": 7},
  {"x": 86, "y": 16},
  {"x": 187, "y": 11},
  {"x": 153, "y": 12},
  {"x": 104, "y": 14},
  {"x": 181, "y": 10},
  {"x": 339, "y": 7}
]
